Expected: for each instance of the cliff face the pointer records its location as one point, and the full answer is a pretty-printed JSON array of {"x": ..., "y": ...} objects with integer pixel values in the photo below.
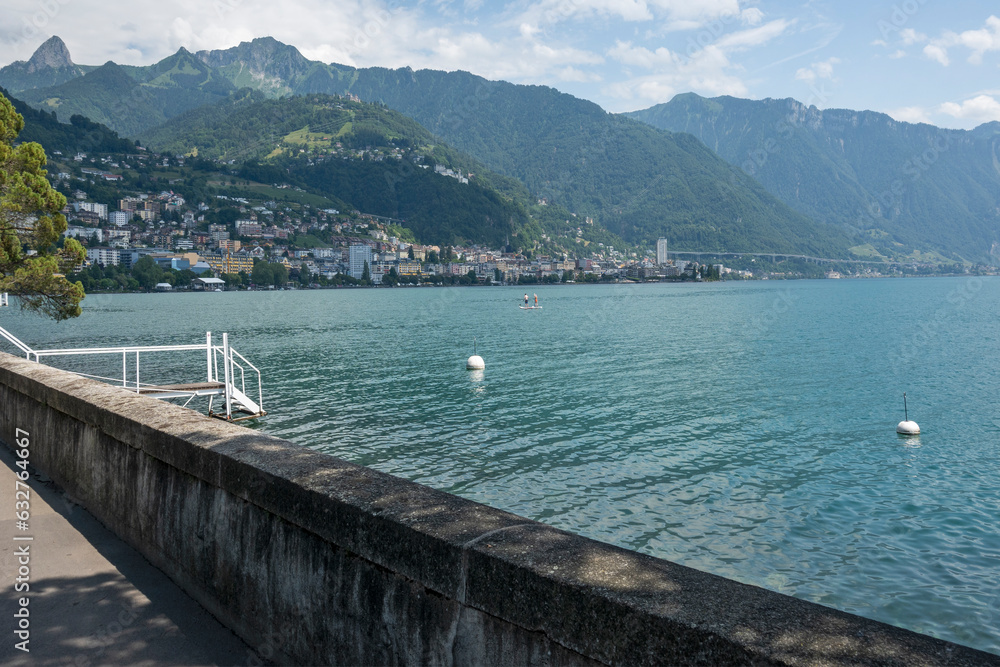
[
  {"x": 53, "y": 54},
  {"x": 264, "y": 59}
]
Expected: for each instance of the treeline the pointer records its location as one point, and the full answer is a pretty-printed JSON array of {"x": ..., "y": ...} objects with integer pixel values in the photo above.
[
  {"x": 80, "y": 134},
  {"x": 146, "y": 274},
  {"x": 438, "y": 209}
]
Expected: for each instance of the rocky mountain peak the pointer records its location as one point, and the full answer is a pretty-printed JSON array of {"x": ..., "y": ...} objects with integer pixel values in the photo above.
[{"x": 52, "y": 54}]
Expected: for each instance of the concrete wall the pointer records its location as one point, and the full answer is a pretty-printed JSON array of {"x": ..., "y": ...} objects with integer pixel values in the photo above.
[{"x": 318, "y": 561}]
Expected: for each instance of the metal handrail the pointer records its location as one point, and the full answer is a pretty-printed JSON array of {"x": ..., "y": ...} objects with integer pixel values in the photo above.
[
  {"x": 116, "y": 350},
  {"x": 16, "y": 342},
  {"x": 212, "y": 364},
  {"x": 232, "y": 365}
]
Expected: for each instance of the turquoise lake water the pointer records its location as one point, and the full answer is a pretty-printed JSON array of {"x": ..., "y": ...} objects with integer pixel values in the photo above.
[{"x": 745, "y": 429}]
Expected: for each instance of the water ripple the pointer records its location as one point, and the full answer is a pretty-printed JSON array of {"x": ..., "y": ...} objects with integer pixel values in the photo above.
[{"x": 742, "y": 429}]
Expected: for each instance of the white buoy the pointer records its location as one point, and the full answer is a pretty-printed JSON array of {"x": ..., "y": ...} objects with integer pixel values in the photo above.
[
  {"x": 475, "y": 362},
  {"x": 906, "y": 427}
]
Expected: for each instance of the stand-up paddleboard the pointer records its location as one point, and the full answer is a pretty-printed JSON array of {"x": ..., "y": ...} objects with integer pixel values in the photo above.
[{"x": 527, "y": 307}]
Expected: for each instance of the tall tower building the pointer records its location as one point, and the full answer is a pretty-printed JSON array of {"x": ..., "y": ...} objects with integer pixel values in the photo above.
[
  {"x": 661, "y": 252},
  {"x": 358, "y": 255}
]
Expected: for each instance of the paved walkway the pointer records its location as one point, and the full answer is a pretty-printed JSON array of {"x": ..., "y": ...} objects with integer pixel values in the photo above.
[{"x": 93, "y": 600}]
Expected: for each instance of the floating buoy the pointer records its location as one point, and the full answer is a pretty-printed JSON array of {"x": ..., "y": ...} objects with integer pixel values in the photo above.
[
  {"x": 906, "y": 427},
  {"x": 475, "y": 362}
]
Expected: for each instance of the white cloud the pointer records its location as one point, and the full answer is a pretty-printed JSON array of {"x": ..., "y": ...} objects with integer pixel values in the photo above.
[
  {"x": 911, "y": 36},
  {"x": 550, "y": 12},
  {"x": 752, "y": 16},
  {"x": 980, "y": 109},
  {"x": 938, "y": 53},
  {"x": 978, "y": 42},
  {"x": 820, "y": 70},
  {"x": 708, "y": 72},
  {"x": 753, "y": 36},
  {"x": 675, "y": 14},
  {"x": 706, "y": 68},
  {"x": 910, "y": 115},
  {"x": 640, "y": 56},
  {"x": 577, "y": 75},
  {"x": 700, "y": 12}
]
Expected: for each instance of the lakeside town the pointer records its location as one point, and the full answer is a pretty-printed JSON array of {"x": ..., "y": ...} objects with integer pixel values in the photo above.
[
  {"x": 273, "y": 243},
  {"x": 278, "y": 236}
]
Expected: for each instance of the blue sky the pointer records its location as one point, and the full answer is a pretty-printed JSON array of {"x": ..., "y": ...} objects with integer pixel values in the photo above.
[{"x": 917, "y": 60}]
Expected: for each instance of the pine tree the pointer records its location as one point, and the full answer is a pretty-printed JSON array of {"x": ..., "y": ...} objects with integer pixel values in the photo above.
[{"x": 30, "y": 220}]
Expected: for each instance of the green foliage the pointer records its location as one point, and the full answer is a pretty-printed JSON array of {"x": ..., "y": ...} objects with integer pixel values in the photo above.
[
  {"x": 262, "y": 275},
  {"x": 304, "y": 277},
  {"x": 437, "y": 209},
  {"x": 279, "y": 273},
  {"x": 249, "y": 126},
  {"x": 147, "y": 272},
  {"x": 30, "y": 219},
  {"x": 490, "y": 209},
  {"x": 402, "y": 233},
  {"x": 79, "y": 135}
]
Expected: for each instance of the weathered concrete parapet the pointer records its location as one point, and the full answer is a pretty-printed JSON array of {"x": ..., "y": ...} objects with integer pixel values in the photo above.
[{"x": 315, "y": 560}]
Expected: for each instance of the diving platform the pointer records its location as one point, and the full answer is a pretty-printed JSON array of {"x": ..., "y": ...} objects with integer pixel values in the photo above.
[{"x": 225, "y": 371}]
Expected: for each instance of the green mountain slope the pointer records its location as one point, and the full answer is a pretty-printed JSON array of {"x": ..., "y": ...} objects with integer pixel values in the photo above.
[
  {"x": 377, "y": 159},
  {"x": 133, "y": 99},
  {"x": 106, "y": 95},
  {"x": 901, "y": 186},
  {"x": 637, "y": 182},
  {"x": 80, "y": 134}
]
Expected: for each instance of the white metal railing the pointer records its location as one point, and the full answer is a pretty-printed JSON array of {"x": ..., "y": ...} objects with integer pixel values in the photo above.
[
  {"x": 16, "y": 342},
  {"x": 227, "y": 382}
]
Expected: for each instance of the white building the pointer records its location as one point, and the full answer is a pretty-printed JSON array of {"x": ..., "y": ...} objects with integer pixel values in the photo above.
[
  {"x": 85, "y": 232},
  {"x": 358, "y": 255},
  {"x": 119, "y": 218},
  {"x": 100, "y": 209},
  {"x": 120, "y": 234},
  {"x": 104, "y": 256},
  {"x": 662, "y": 256}
]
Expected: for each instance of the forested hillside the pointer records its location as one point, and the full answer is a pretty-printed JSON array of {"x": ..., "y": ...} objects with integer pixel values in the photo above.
[
  {"x": 899, "y": 186},
  {"x": 377, "y": 159},
  {"x": 80, "y": 134}
]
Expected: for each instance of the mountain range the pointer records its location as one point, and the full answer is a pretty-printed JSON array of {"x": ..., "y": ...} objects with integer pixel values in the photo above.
[
  {"x": 890, "y": 182},
  {"x": 709, "y": 175}
]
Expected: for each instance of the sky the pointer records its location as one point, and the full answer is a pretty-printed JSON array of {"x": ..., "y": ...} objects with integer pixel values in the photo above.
[{"x": 916, "y": 60}]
